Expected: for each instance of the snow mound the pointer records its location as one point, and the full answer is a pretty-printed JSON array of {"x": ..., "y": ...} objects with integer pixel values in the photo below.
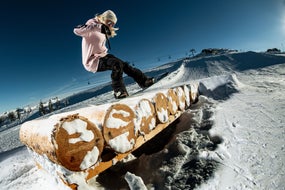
[{"x": 220, "y": 87}]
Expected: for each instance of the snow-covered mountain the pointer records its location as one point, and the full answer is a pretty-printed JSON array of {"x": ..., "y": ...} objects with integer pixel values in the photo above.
[{"x": 232, "y": 138}]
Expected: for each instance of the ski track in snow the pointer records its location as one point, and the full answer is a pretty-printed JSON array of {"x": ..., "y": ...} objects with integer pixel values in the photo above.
[
  {"x": 253, "y": 147},
  {"x": 232, "y": 138}
]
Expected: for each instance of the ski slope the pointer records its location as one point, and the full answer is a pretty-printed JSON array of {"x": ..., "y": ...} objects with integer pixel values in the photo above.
[{"x": 232, "y": 138}]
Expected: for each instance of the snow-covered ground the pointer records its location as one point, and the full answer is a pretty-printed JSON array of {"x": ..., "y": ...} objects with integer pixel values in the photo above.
[{"x": 232, "y": 138}]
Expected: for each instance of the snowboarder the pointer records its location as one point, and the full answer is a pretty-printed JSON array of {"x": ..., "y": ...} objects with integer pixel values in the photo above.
[{"x": 95, "y": 57}]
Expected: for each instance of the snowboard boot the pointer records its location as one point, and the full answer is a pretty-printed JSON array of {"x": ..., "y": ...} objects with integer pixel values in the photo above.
[
  {"x": 119, "y": 94},
  {"x": 148, "y": 82}
]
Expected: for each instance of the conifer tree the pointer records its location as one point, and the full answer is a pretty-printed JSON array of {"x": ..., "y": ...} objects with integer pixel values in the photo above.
[
  {"x": 57, "y": 104},
  {"x": 2, "y": 119},
  {"x": 41, "y": 108},
  {"x": 18, "y": 113},
  {"x": 50, "y": 106},
  {"x": 11, "y": 116},
  {"x": 193, "y": 51}
]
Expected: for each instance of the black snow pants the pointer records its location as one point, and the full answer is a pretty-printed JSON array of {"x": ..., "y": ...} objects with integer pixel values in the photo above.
[{"x": 118, "y": 67}]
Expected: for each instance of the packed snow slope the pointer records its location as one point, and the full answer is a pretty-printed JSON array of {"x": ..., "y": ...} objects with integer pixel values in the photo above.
[{"x": 232, "y": 138}]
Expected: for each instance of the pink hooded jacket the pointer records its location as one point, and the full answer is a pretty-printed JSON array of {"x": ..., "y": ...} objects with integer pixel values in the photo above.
[{"x": 93, "y": 44}]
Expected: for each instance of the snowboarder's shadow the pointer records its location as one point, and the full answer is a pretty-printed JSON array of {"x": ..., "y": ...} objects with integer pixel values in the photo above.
[{"x": 171, "y": 159}]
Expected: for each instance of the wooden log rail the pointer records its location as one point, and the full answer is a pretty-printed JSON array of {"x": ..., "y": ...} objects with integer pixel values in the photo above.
[{"x": 79, "y": 145}]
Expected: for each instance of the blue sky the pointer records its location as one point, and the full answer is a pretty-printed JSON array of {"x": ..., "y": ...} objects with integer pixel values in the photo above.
[{"x": 40, "y": 57}]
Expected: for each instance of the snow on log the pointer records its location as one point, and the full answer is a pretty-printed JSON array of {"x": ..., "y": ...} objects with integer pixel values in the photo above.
[
  {"x": 79, "y": 143},
  {"x": 161, "y": 107},
  {"x": 145, "y": 116},
  {"x": 37, "y": 135},
  {"x": 181, "y": 98},
  {"x": 72, "y": 140},
  {"x": 194, "y": 92},
  {"x": 172, "y": 101},
  {"x": 119, "y": 129},
  {"x": 187, "y": 95}
]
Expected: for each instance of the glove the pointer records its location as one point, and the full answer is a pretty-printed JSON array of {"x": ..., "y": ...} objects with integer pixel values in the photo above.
[{"x": 105, "y": 30}]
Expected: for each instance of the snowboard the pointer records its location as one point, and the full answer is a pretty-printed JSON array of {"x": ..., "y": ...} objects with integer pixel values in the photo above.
[{"x": 157, "y": 78}]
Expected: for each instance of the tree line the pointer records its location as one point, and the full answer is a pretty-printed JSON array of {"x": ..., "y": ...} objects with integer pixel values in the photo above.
[
  {"x": 43, "y": 109},
  {"x": 51, "y": 106}
]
